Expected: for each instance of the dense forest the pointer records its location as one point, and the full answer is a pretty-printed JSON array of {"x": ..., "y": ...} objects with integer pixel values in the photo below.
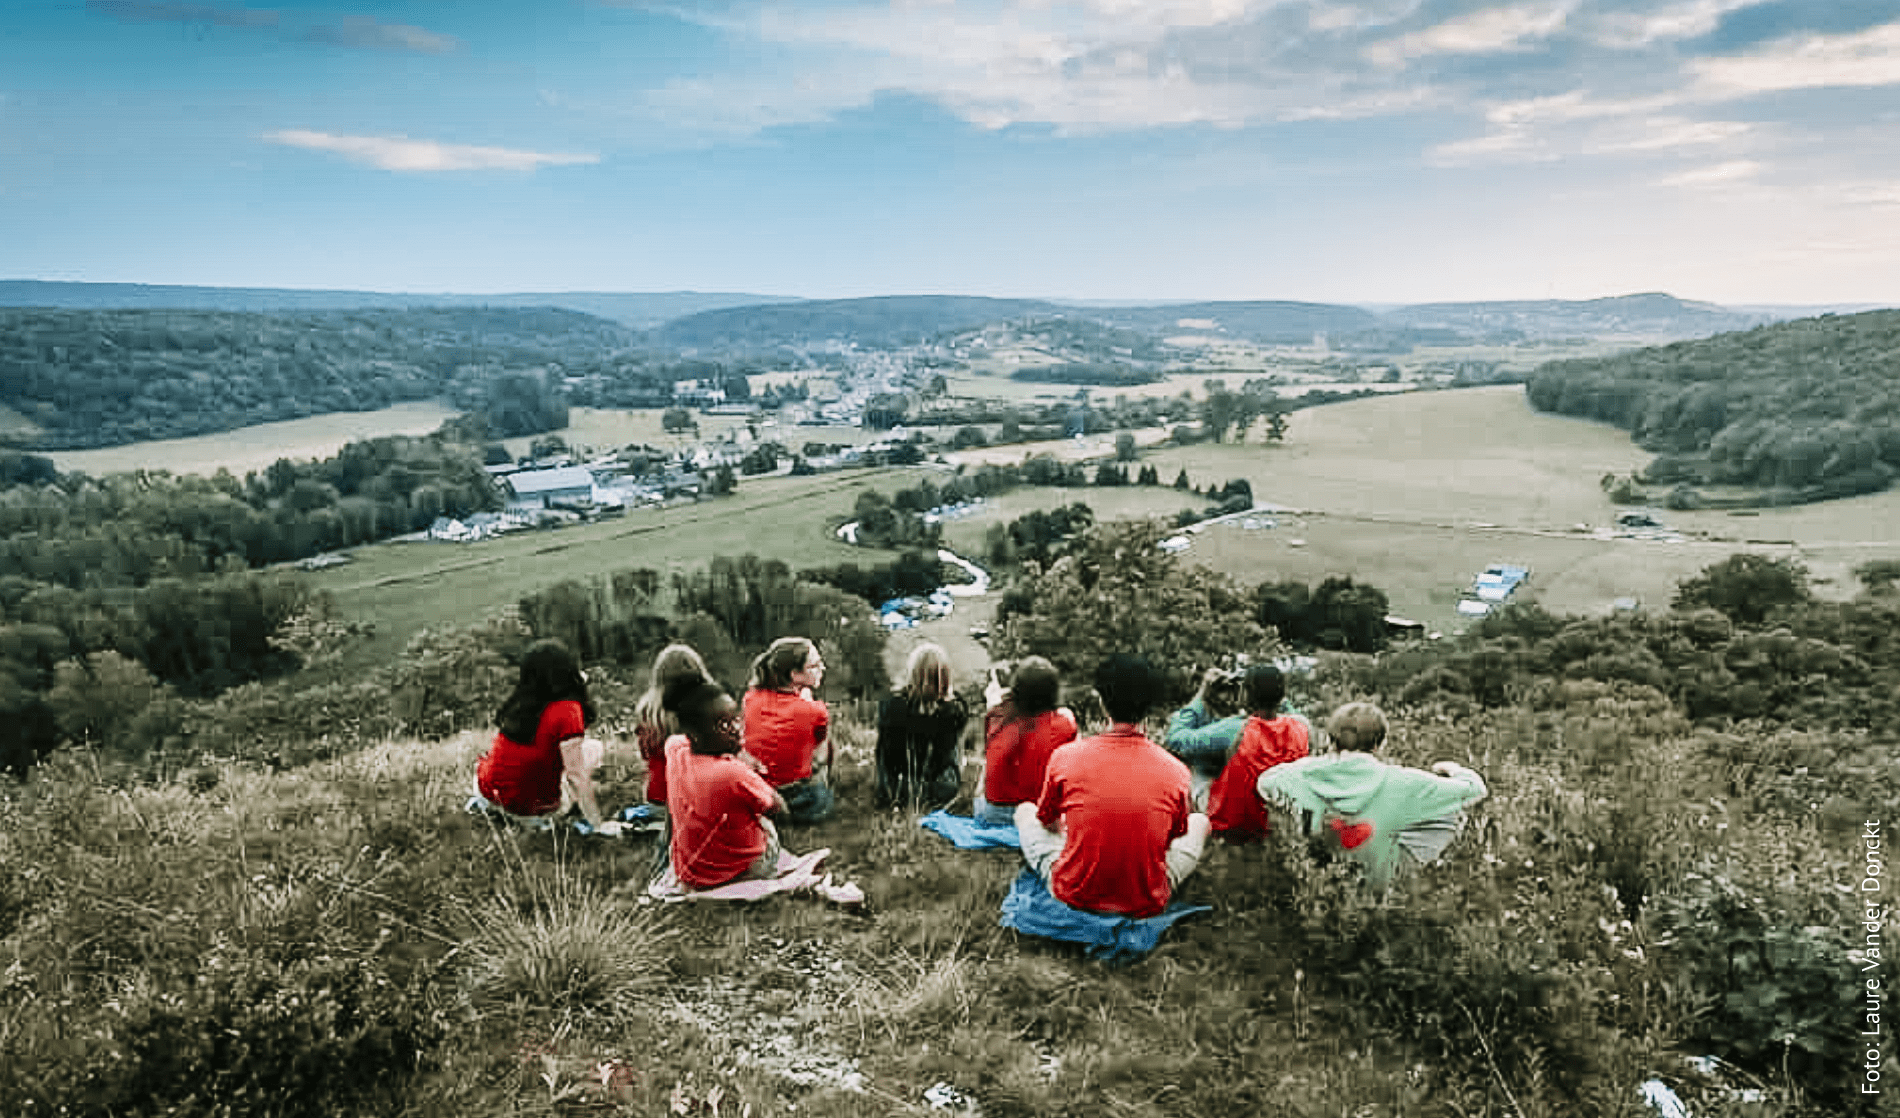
[
  {"x": 1800, "y": 411},
  {"x": 159, "y": 575},
  {"x": 89, "y": 378}
]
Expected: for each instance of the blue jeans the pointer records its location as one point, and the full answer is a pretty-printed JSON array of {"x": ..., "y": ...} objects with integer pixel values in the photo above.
[{"x": 808, "y": 801}]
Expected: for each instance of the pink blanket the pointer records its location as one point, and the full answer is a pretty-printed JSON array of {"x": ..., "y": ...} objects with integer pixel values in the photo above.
[{"x": 795, "y": 872}]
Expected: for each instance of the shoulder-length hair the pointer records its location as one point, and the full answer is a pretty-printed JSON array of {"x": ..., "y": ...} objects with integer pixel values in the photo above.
[
  {"x": 549, "y": 674},
  {"x": 773, "y": 669},
  {"x": 675, "y": 661},
  {"x": 927, "y": 677},
  {"x": 1034, "y": 687}
]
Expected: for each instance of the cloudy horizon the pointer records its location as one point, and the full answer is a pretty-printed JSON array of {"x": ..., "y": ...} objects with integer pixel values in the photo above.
[{"x": 1382, "y": 151}]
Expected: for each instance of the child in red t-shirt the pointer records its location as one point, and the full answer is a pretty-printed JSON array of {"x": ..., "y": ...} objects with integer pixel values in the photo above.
[
  {"x": 652, "y": 723},
  {"x": 1267, "y": 739},
  {"x": 1021, "y": 731},
  {"x": 541, "y": 761},
  {"x": 785, "y": 727},
  {"x": 721, "y": 810},
  {"x": 1114, "y": 830}
]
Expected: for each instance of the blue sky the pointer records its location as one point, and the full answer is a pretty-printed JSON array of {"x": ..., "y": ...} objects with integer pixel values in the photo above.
[{"x": 1360, "y": 151}]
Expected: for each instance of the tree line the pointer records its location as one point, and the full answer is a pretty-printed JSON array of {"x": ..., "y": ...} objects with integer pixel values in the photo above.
[
  {"x": 94, "y": 378},
  {"x": 1799, "y": 411}
]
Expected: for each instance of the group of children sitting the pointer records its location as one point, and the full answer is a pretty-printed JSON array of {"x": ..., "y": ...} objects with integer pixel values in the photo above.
[{"x": 1110, "y": 823}]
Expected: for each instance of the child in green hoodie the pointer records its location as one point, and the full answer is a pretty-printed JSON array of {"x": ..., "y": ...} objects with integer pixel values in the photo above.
[{"x": 1379, "y": 815}]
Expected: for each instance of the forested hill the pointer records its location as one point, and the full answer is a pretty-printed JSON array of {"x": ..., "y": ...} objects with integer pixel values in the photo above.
[
  {"x": 104, "y": 378},
  {"x": 877, "y": 321},
  {"x": 1277, "y": 321},
  {"x": 1649, "y": 315},
  {"x": 640, "y": 310},
  {"x": 1804, "y": 410}
]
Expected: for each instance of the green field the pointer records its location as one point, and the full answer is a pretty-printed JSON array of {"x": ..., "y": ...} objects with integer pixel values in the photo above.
[
  {"x": 255, "y": 448},
  {"x": 1411, "y": 494},
  {"x": 321, "y": 436},
  {"x": 406, "y": 587}
]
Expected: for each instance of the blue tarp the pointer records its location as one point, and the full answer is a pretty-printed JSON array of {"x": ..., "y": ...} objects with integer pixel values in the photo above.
[
  {"x": 972, "y": 834},
  {"x": 1031, "y": 909}
]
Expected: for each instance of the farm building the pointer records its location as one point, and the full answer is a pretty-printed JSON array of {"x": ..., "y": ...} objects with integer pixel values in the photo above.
[{"x": 542, "y": 488}]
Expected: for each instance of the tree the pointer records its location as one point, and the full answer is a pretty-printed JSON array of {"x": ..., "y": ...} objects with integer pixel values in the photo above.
[
  {"x": 676, "y": 420},
  {"x": 723, "y": 482},
  {"x": 1110, "y": 594},
  {"x": 97, "y": 699},
  {"x": 1746, "y": 587}
]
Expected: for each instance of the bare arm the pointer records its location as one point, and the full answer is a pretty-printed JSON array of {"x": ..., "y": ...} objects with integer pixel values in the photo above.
[{"x": 574, "y": 770}]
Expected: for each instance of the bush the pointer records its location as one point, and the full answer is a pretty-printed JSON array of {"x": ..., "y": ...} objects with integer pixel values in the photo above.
[{"x": 1745, "y": 587}]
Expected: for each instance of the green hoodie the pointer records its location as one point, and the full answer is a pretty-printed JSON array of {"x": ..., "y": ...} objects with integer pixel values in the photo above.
[{"x": 1374, "y": 810}]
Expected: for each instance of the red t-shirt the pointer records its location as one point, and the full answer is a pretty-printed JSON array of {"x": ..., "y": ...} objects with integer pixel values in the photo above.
[
  {"x": 783, "y": 729},
  {"x": 715, "y": 809},
  {"x": 1233, "y": 807},
  {"x": 1121, "y": 799},
  {"x": 652, "y": 744},
  {"x": 1016, "y": 752},
  {"x": 526, "y": 779}
]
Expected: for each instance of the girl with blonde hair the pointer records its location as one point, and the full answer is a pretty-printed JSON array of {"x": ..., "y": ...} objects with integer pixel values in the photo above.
[
  {"x": 653, "y": 723},
  {"x": 919, "y": 730}
]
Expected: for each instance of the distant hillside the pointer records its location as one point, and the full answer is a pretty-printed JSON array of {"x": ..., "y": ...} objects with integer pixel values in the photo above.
[
  {"x": 91, "y": 378},
  {"x": 639, "y": 310},
  {"x": 1281, "y": 322},
  {"x": 1805, "y": 410},
  {"x": 1652, "y": 316},
  {"x": 878, "y": 321}
]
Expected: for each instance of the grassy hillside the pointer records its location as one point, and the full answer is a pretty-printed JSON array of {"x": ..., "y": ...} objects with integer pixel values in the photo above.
[{"x": 341, "y": 940}]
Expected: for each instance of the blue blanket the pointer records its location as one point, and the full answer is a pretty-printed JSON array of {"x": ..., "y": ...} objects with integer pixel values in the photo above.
[
  {"x": 1030, "y": 908},
  {"x": 972, "y": 834}
]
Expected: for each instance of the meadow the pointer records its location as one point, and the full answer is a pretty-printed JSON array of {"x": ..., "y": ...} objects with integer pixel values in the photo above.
[
  {"x": 1413, "y": 494},
  {"x": 255, "y": 448},
  {"x": 228, "y": 939},
  {"x": 407, "y": 587}
]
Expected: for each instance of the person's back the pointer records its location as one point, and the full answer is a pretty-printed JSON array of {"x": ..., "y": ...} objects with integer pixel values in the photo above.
[
  {"x": 1017, "y": 750},
  {"x": 919, "y": 731},
  {"x": 1268, "y": 738},
  {"x": 1121, "y": 799},
  {"x": 1366, "y": 810},
  {"x": 1234, "y": 808},
  {"x": 717, "y": 805},
  {"x": 524, "y": 777}
]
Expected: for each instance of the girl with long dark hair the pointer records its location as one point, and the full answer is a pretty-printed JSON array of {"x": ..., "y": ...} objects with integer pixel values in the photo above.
[{"x": 542, "y": 761}]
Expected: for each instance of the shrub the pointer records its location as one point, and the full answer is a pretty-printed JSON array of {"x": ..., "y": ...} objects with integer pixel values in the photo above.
[
  {"x": 1746, "y": 587},
  {"x": 546, "y": 941}
]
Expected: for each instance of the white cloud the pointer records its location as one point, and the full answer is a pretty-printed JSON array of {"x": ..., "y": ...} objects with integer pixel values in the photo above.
[
  {"x": 1716, "y": 175},
  {"x": 1668, "y": 23},
  {"x": 400, "y": 153},
  {"x": 1865, "y": 58},
  {"x": 1490, "y": 31}
]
